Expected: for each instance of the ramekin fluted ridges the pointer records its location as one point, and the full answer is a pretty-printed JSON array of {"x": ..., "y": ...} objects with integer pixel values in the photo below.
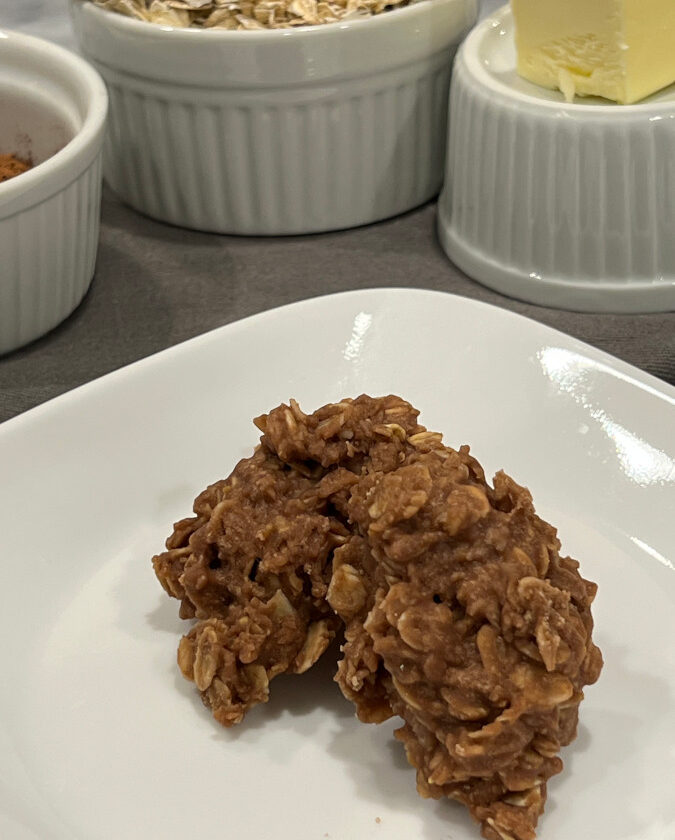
[
  {"x": 49, "y": 216},
  {"x": 565, "y": 205},
  {"x": 276, "y": 131}
]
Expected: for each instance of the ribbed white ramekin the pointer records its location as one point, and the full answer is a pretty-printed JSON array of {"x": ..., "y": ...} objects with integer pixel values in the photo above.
[
  {"x": 49, "y": 216},
  {"x": 276, "y": 131},
  {"x": 565, "y": 205}
]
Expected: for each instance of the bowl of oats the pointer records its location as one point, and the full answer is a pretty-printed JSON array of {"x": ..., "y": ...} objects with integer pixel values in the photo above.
[
  {"x": 53, "y": 108},
  {"x": 274, "y": 117}
]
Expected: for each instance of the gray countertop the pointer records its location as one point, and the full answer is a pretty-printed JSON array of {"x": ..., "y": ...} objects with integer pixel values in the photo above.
[{"x": 157, "y": 285}]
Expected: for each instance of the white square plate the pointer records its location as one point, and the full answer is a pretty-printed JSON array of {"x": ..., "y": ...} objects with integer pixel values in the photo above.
[{"x": 102, "y": 739}]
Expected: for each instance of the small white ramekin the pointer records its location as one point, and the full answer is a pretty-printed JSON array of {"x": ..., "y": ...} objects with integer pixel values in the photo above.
[
  {"x": 565, "y": 205},
  {"x": 53, "y": 109},
  {"x": 276, "y": 131}
]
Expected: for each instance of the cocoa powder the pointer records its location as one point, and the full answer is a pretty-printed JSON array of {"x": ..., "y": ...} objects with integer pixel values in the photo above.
[{"x": 11, "y": 166}]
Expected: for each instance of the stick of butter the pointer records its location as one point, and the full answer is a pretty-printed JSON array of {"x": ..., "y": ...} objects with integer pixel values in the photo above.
[{"x": 623, "y": 50}]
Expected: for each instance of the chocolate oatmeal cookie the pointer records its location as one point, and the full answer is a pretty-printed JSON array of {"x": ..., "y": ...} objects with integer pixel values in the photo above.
[{"x": 459, "y": 614}]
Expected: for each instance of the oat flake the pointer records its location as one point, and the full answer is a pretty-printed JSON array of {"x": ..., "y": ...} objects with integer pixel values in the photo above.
[{"x": 248, "y": 14}]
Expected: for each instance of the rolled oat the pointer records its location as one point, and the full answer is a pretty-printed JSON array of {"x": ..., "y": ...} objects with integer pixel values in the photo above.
[{"x": 248, "y": 14}]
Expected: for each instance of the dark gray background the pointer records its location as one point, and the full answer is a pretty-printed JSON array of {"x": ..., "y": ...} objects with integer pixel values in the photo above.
[{"x": 157, "y": 285}]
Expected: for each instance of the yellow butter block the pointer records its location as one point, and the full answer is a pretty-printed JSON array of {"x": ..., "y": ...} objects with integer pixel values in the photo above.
[{"x": 623, "y": 50}]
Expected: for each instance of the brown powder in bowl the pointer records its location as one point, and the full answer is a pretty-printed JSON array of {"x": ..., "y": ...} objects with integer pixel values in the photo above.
[{"x": 11, "y": 166}]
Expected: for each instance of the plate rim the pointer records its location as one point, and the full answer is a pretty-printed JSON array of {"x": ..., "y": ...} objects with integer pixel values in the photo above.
[{"x": 635, "y": 376}]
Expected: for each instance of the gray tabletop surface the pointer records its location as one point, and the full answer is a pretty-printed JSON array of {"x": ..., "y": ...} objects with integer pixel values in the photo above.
[{"x": 157, "y": 285}]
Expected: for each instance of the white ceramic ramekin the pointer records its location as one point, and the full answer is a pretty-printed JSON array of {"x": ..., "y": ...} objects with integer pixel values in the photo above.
[
  {"x": 52, "y": 110},
  {"x": 565, "y": 205},
  {"x": 276, "y": 131}
]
